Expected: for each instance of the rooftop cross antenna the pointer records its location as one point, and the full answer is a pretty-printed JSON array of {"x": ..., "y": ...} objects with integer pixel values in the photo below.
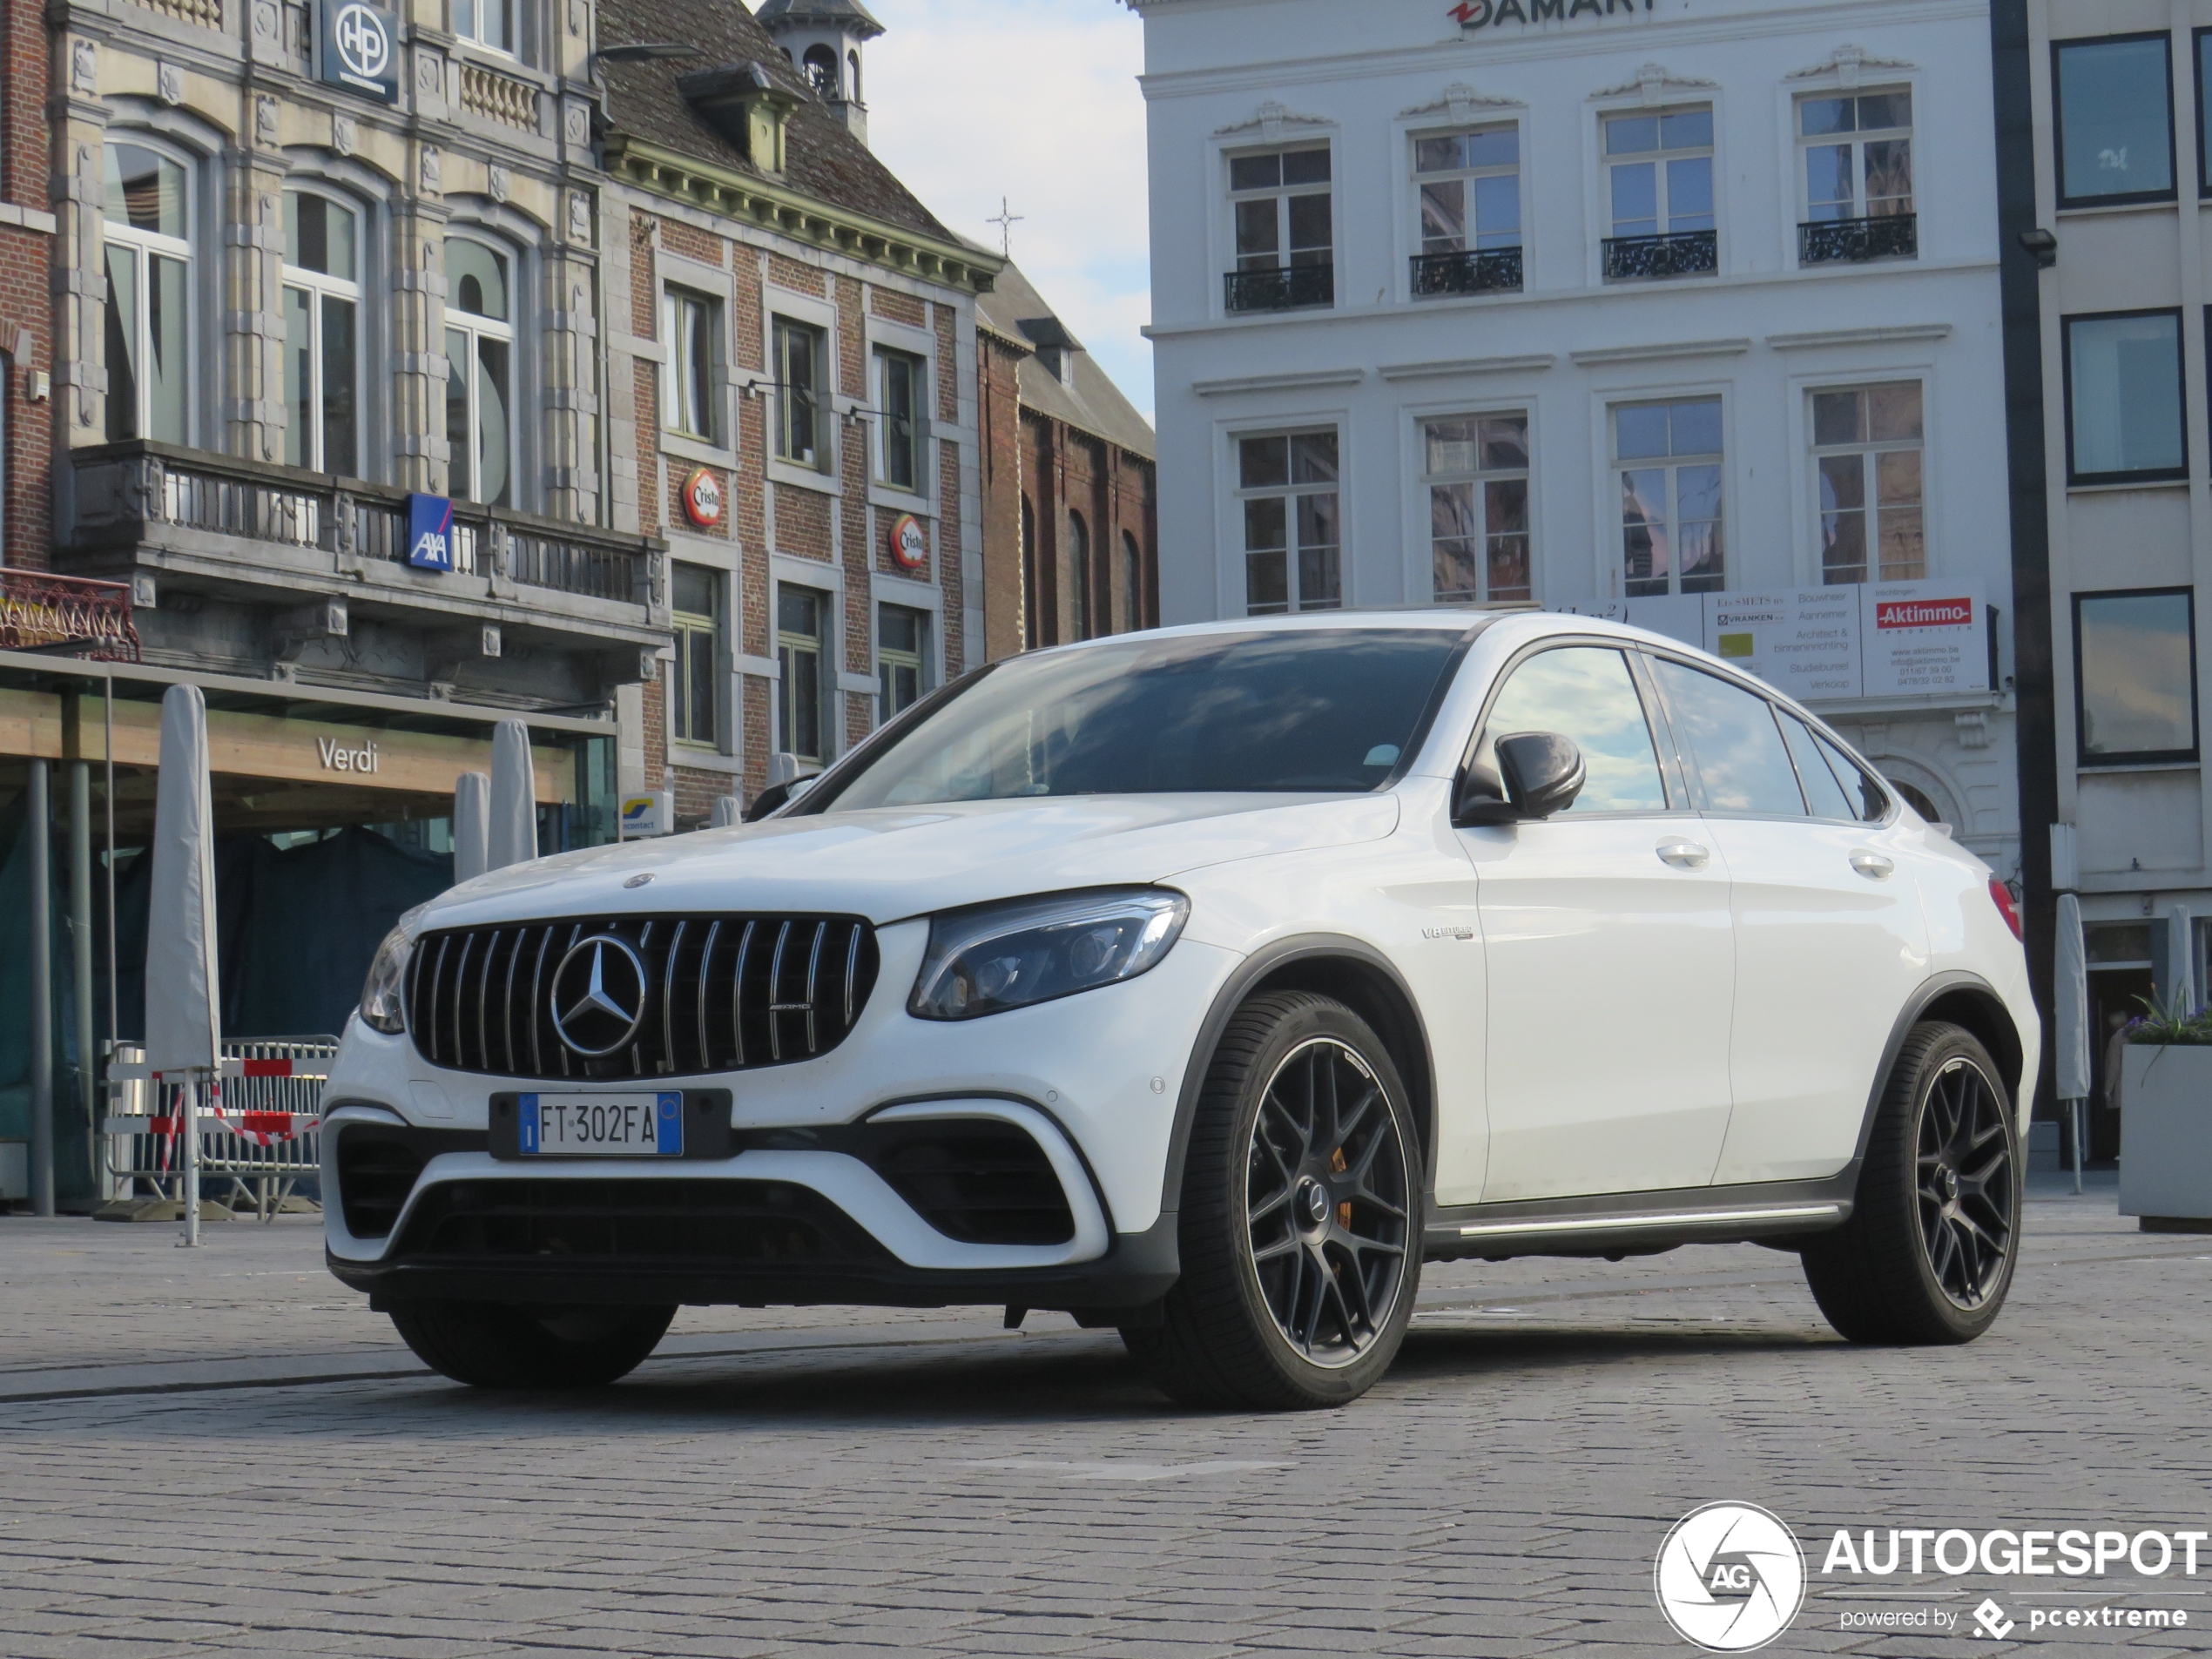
[{"x": 1005, "y": 221}]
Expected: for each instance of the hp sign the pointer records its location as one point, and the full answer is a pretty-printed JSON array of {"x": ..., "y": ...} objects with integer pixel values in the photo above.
[{"x": 360, "y": 49}]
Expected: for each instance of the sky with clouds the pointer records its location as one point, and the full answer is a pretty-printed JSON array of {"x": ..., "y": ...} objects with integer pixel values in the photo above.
[{"x": 1035, "y": 102}]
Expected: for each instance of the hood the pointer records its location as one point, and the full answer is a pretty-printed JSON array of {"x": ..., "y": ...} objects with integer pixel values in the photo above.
[{"x": 891, "y": 863}]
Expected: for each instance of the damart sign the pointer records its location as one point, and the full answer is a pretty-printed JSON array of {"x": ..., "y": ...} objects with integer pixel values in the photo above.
[
  {"x": 1487, "y": 14},
  {"x": 1834, "y": 644}
]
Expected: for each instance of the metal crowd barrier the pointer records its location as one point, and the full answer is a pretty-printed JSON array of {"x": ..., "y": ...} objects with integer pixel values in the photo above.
[{"x": 256, "y": 1126}]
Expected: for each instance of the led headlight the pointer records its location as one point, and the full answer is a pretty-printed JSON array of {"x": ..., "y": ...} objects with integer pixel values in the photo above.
[
  {"x": 1002, "y": 956},
  {"x": 384, "y": 997}
]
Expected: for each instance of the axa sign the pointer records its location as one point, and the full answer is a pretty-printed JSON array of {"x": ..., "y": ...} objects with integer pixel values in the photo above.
[
  {"x": 358, "y": 48},
  {"x": 1485, "y": 14},
  {"x": 429, "y": 532}
]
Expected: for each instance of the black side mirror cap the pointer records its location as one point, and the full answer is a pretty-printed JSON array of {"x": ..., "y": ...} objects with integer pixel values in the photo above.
[
  {"x": 1480, "y": 801},
  {"x": 1543, "y": 772}
]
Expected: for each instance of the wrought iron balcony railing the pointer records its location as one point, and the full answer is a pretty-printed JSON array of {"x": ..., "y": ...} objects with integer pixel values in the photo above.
[
  {"x": 1891, "y": 236},
  {"x": 67, "y": 616},
  {"x": 1676, "y": 253},
  {"x": 1285, "y": 288},
  {"x": 124, "y": 491},
  {"x": 1489, "y": 270}
]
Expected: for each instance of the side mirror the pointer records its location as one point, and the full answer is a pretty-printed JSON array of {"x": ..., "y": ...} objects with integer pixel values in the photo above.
[
  {"x": 1543, "y": 772},
  {"x": 1539, "y": 773}
]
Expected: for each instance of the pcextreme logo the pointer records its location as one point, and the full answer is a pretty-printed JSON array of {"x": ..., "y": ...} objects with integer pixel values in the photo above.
[{"x": 1730, "y": 1577}]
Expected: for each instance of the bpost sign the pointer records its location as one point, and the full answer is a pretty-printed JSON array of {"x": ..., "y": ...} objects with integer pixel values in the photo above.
[
  {"x": 358, "y": 48},
  {"x": 1485, "y": 14},
  {"x": 429, "y": 532}
]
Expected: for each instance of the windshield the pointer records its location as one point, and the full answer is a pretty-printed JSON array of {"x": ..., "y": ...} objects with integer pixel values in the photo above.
[{"x": 1325, "y": 711}]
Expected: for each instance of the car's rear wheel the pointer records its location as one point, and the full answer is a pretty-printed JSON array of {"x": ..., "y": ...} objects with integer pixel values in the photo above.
[
  {"x": 489, "y": 1344},
  {"x": 1300, "y": 1220},
  {"x": 1928, "y": 1254}
]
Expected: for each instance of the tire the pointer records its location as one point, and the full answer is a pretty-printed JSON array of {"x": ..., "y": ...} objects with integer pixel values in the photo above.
[
  {"x": 489, "y": 1344},
  {"x": 1300, "y": 1220},
  {"x": 1928, "y": 1254}
]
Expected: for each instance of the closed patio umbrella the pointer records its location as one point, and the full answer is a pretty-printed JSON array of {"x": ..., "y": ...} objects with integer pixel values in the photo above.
[
  {"x": 2070, "y": 1017},
  {"x": 183, "y": 979},
  {"x": 471, "y": 825},
  {"x": 513, "y": 835}
]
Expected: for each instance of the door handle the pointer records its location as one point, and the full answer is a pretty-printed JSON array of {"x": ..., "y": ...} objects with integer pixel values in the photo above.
[
  {"x": 1872, "y": 866},
  {"x": 1684, "y": 854}
]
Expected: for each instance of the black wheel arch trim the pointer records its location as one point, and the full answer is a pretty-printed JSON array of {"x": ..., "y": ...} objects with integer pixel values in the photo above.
[
  {"x": 1267, "y": 962},
  {"x": 1996, "y": 1018}
]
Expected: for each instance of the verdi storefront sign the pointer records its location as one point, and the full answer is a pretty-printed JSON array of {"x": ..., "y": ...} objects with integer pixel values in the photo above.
[{"x": 1490, "y": 14}]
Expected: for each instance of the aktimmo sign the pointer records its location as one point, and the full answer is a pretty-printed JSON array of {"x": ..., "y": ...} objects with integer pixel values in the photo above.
[{"x": 1484, "y": 14}]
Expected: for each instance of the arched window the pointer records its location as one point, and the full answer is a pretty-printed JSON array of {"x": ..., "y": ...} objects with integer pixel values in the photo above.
[
  {"x": 821, "y": 69},
  {"x": 853, "y": 67},
  {"x": 480, "y": 376},
  {"x": 1079, "y": 576},
  {"x": 322, "y": 344},
  {"x": 1133, "y": 580},
  {"x": 147, "y": 211},
  {"x": 1031, "y": 638}
]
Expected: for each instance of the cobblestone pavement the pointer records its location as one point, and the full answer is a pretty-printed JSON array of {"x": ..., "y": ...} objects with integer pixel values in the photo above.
[{"x": 225, "y": 1452}]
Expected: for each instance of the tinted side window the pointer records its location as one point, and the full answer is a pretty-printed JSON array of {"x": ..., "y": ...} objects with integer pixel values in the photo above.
[
  {"x": 1585, "y": 692},
  {"x": 1824, "y": 792},
  {"x": 1733, "y": 742},
  {"x": 1871, "y": 801}
]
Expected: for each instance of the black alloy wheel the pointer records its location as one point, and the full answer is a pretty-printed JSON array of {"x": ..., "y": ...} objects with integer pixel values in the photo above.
[
  {"x": 1928, "y": 1253},
  {"x": 1325, "y": 1199},
  {"x": 1967, "y": 1193},
  {"x": 1300, "y": 1220}
]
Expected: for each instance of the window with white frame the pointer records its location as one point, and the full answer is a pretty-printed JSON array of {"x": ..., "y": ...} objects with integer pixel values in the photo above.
[
  {"x": 1866, "y": 445},
  {"x": 146, "y": 212},
  {"x": 802, "y": 656},
  {"x": 1668, "y": 459},
  {"x": 1469, "y": 200},
  {"x": 1284, "y": 216},
  {"x": 1659, "y": 185},
  {"x": 801, "y": 371},
  {"x": 901, "y": 403},
  {"x": 1477, "y": 475},
  {"x": 479, "y": 372},
  {"x": 486, "y": 23},
  {"x": 1287, "y": 485},
  {"x": 902, "y": 658},
  {"x": 691, "y": 328},
  {"x": 322, "y": 343},
  {"x": 694, "y": 682},
  {"x": 1857, "y": 150}
]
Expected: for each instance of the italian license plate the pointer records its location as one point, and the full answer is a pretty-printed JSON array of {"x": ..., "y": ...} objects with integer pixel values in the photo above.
[{"x": 602, "y": 1126}]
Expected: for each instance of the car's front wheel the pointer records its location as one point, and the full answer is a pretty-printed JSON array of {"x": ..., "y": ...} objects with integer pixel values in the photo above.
[
  {"x": 489, "y": 1344},
  {"x": 1300, "y": 1220},
  {"x": 1928, "y": 1254}
]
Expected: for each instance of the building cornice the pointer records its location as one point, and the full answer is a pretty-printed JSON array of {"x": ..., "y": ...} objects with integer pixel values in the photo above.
[
  {"x": 802, "y": 217},
  {"x": 1443, "y": 368},
  {"x": 1300, "y": 381},
  {"x": 1659, "y": 351},
  {"x": 1895, "y": 335}
]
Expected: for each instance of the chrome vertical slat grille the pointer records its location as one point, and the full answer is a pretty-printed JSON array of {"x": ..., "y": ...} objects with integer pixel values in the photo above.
[{"x": 728, "y": 993}]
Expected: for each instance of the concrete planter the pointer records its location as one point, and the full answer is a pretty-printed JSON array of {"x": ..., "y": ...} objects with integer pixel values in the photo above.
[{"x": 2166, "y": 1136}]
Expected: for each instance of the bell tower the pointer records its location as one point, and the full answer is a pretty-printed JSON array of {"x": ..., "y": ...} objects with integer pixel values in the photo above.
[{"x": 825, "y": 39}]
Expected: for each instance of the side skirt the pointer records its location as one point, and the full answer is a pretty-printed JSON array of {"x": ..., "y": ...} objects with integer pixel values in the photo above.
[{"x": 1637, "y": 1224}]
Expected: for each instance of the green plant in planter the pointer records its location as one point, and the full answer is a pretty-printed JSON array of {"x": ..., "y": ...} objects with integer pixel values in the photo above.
[{"x": 2169, "y": 1027}]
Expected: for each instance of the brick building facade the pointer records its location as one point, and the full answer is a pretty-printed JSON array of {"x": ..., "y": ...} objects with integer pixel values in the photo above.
[
  {"x": 797, "y": 385},
  {"x": 1070, "y": 540},
  {"x": 26, "y": 290}
]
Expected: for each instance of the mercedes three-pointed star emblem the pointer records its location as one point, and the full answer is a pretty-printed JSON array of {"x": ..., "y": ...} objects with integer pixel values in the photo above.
[{"x": 592, "y": 1015}]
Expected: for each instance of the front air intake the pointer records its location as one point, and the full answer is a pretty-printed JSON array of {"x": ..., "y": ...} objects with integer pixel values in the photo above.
[{"x": 631, "y": 996}]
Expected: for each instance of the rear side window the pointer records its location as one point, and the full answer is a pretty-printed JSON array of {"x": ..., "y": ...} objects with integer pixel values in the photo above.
[
  {"x": 1870, "y": 800},
  {"x": 1824, "y": 791},
  {"x": 1585, "y": 692},
  {"x": 1733, "y": 741}
]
